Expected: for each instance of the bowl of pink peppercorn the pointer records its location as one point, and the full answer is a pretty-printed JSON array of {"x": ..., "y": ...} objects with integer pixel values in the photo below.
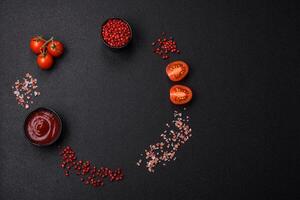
[{"x": 116, "y": 33}]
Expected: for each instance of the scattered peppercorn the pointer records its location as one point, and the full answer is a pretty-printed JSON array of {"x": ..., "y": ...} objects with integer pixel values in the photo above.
[
  {"x": 89, "y": 174},
  {"x": 116, "y": 33},
  {"x": 164, "y": 46}
]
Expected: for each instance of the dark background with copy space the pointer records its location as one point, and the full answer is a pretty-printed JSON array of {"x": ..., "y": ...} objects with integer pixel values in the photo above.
[{"x": 244, "y": 60}]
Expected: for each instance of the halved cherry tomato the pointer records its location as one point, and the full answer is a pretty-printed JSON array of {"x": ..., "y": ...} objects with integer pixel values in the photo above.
[
  {"x": 45, "y": 61},
  {"x": 177, "y": 70},
  {"x": 180, "y": 94},
  {"x": 55, "y": 48},
  {"x": 36, "y": 43}
]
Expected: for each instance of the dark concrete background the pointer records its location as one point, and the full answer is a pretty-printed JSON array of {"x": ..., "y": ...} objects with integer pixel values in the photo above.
[{"x": 244, "y": 59}]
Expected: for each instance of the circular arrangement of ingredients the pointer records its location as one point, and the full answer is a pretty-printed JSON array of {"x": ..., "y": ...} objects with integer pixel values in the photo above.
[
  {"x": 116, "y": 33},
  {"x": 42, "y": 127}
]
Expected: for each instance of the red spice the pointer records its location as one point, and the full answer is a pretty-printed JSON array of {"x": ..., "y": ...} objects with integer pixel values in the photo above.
[
  {"x": 116, "y": 33},
  {"x": 89, "y": 173},
  {"x": 164, "y": 46}
]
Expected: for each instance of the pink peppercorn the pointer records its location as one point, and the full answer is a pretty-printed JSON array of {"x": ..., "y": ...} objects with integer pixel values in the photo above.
[
  {"x": 116, "y": 33},
  {"x": 164, "y": 46},
  {"x": 89, "y": 174}
]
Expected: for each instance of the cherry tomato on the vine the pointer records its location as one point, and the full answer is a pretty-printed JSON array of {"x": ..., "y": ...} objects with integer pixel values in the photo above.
[
  {"x": 180, "y": 94},
  {"x": 36, "y": 43},
  {"x": 55, "y": 48},
  {"x": 45, "y": 61}
]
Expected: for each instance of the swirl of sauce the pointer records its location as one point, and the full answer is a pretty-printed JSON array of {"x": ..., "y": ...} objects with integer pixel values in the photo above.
[{"x": 42, "y": 127}]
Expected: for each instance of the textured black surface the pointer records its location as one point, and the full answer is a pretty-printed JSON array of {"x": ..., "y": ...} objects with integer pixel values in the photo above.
[{"x": 244, "y": 59}]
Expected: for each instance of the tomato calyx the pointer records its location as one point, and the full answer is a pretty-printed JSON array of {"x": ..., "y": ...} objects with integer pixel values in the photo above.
[
  {"x": 43, "y": 48},
  {"x": 55, "y": 48}
]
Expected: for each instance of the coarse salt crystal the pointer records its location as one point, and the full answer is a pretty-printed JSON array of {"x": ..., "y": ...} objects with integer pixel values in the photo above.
[
  {"x": 165, "y": 150},
  {"x": 24, "y": 90}
]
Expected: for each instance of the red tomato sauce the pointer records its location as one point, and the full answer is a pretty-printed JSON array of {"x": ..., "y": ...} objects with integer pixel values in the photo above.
[{"x": 42, "y": 127}]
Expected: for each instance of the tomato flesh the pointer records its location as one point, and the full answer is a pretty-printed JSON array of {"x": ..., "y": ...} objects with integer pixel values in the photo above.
[
  {"x": 180, "y": 94},
  {"x": 177, "y": 70},
  {"x": 45, "y": 61}
]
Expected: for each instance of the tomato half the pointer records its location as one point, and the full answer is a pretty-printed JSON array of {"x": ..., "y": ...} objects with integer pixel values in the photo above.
[
  {"x": 36, "y": 44},
  {"x": 177, "y": 70},
  {"x": 180, "y": 94},
  {"x": 55, "y": 48},
  {"x": 45, "y": 61}
]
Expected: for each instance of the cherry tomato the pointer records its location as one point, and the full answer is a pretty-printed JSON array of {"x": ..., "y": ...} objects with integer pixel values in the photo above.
[
  {"x": 36, "y": 43},
  {"x": 177, "y": 70},
  {"x": 55, "y": 48},
  {"x": 180, "y": 94},
  {"x": 45, "y": 61}
]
